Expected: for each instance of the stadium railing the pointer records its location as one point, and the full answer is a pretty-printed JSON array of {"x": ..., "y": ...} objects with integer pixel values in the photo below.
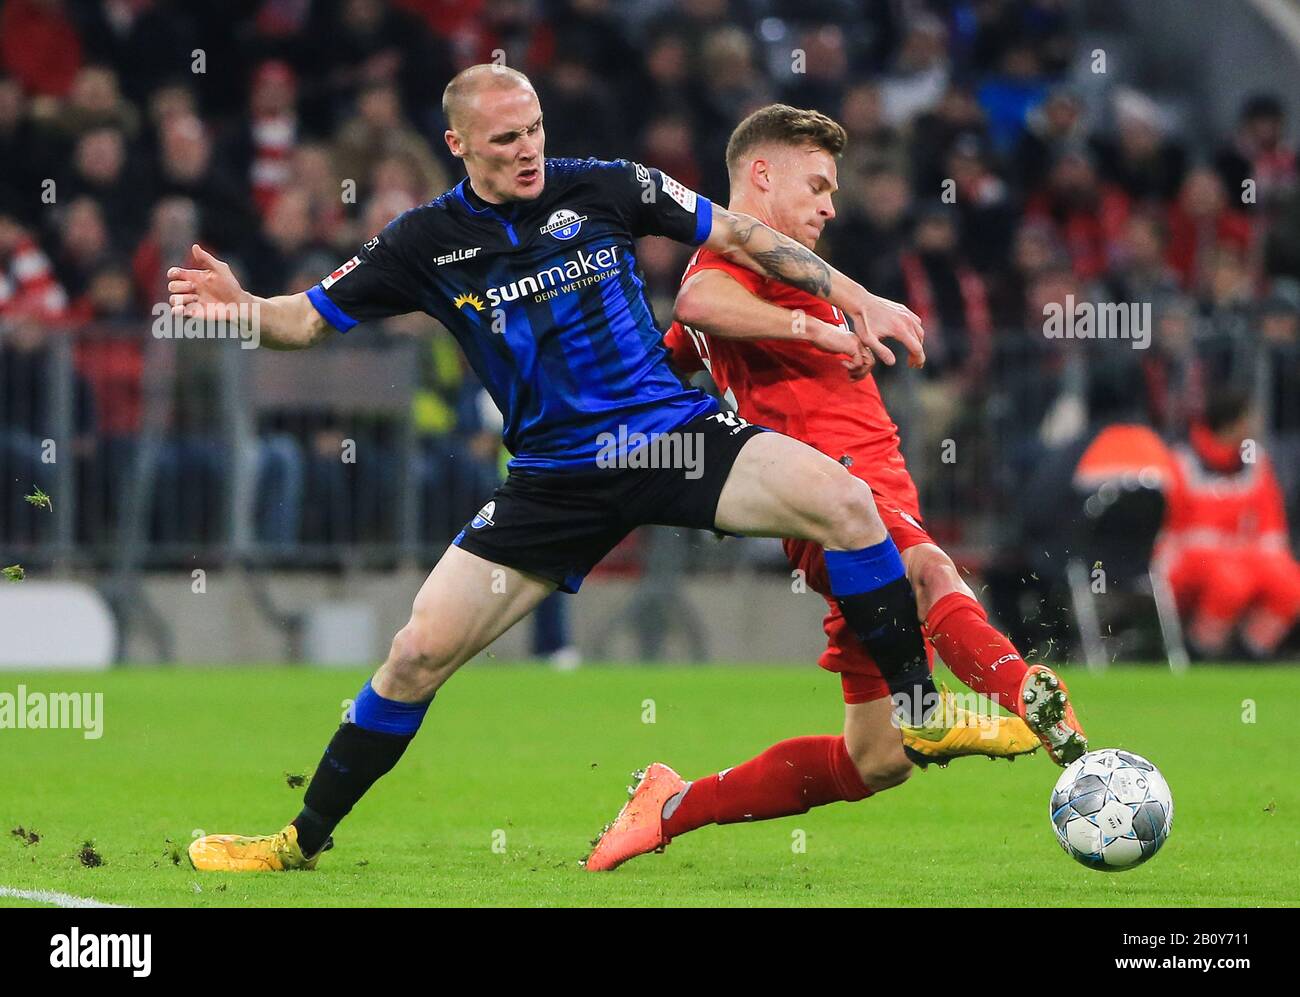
[{"x": 161, "y": 454}]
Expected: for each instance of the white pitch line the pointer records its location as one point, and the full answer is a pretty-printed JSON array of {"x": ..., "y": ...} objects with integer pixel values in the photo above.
[{"x": 51, "y": 897}]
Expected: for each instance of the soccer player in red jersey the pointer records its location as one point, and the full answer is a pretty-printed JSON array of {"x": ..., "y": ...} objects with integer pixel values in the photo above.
[{"x": 789, "y": 361}]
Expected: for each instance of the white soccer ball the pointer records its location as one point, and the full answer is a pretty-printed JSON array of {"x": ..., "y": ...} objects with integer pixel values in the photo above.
[{"x": 1111, "y": 810}]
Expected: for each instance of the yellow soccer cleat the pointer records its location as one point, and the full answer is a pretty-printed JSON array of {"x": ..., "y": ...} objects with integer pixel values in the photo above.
[
  {"x": 954, "y": 732},
  {"x": 257, "y": 853}
]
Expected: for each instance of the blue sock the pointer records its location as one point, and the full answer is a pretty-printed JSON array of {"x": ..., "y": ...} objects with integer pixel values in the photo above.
[
  {"x": 361, "y": 751},
  {"x": 879, "y": 606},
  {"x": 372, "y": 711},
  {"x": 853, "y": 572}
]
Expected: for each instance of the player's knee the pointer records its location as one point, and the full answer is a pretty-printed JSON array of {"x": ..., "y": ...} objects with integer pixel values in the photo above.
[
  {"x": 934, "y": 577},
  {"x": 420, "y": 651},
  {"x": 851, "y": 519}
]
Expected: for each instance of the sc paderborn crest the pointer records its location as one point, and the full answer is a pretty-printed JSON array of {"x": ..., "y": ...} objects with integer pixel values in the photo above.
[
  {"x": 484, "y": 517},
  {"x": 563, "y": 224}
]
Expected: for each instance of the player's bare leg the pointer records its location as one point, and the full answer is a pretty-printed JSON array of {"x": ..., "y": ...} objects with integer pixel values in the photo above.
[
  {"x": 984, "y": 659},
  {"x": 779, "y": 486},
  {"x": 464, "y": 605}
]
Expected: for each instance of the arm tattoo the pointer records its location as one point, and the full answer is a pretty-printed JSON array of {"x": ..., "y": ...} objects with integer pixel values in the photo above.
[{"x": 781, "y": 257}]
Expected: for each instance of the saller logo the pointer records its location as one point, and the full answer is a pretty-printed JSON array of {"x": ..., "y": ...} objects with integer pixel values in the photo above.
[
  {"x": 460, "y": 254},
  {"x": 484, "y": 517}
]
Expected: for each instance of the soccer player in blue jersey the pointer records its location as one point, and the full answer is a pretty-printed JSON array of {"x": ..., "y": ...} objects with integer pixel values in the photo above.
[{"x": 530, "y": 263}]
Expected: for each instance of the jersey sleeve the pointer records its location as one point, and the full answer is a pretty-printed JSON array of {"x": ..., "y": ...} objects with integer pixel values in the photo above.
[
  {"x": 374, "y": 284},
  {"x": 653, "y": 203}
]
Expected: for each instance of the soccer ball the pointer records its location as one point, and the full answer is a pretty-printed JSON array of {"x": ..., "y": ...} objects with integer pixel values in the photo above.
[{"x": 1111, "y": 810}]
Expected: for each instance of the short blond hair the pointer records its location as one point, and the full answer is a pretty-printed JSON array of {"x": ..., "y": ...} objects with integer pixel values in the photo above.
[{"x": 474, "y": 80}]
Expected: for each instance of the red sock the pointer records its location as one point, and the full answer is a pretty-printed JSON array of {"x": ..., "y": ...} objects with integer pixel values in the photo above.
[
  {"x": 976, "y": 653},
  {"x": 788, "y": 778}
]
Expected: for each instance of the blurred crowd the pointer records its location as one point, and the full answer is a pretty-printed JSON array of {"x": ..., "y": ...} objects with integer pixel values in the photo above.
[{"x": 981, "y": 184}]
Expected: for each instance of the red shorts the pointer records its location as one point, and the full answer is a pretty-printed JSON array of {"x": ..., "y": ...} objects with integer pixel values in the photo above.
[{"x": 844, "y": 653}]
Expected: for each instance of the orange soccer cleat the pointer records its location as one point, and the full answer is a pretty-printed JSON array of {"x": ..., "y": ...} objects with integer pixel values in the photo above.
[
  {"x": 639, "y": 826},
  {"x": 1049, "y": 714}
]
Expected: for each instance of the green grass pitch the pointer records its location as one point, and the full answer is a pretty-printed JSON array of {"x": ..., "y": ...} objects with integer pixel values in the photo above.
[{"x": 517, "y": 767}]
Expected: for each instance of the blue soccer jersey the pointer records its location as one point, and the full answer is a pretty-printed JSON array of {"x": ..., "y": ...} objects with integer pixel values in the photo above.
[{"x": 546, "y": 299}]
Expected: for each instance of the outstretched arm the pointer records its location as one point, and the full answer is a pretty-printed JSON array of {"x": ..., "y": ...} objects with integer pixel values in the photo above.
[
  {"x": 745, "y": 240},
  {"x": 714, "y": 303},
  {"x": 285, "y": 322}
]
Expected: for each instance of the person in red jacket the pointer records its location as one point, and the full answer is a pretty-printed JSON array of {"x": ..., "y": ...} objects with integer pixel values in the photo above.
[{"x": 1225, "y": 543}]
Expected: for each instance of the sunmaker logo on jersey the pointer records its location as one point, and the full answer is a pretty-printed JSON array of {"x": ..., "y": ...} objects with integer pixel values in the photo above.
[
  {"x": 571, "y": 275},
  {"x": 563, "y": 224},
  {"x": 472, "y": 300}
]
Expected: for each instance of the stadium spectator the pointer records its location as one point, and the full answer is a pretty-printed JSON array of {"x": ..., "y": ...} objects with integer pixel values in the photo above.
[
  {"x": 1088, "y": 215},
  {"x": 1140, "y": 159},
  {"x": 872, "y": 144},
  {"x": 173, "y": 229},
  {"x": 1055, "y": 125},
  {"x": 1138, "y": 270},
  {"x": 285, "y": 237},
  {"x": 667, "y": 87},
  {"x": 919, "y": 76},
  {"x": 83, "y": 245},
  {"x": 1257, "y": 154},
  {"x": 583, "y": 117},
  {"x": 40, "y": 46},
  {"x": 313, "y": 174},
  {"x": 25, "y": 152},
  {"x": 1008, "y": 96},
  {"x": 949, "y": 297},
  {"x": 956, "y": 120},
  {"x": 824, "y": 71},
  {"x": 1175, "y": 374},
  {"x": 28, "y": 285},
  {"x": 100, "y": 170},
  {"x": 96, "y": 102},
  {"x": 262, "y": 150},
  {"x": 380, "y": 131},
  {"x": 875, "y": 228},
  {"x": 1036, "y": 250},
  {"x": 985, "y": 204},
  {"x": 1201, "y": 221},
  {"x": 187, "y": 169}
]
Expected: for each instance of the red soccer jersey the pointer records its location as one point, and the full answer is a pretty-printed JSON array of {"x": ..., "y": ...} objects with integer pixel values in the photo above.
[{"x": 795, "y": 388}]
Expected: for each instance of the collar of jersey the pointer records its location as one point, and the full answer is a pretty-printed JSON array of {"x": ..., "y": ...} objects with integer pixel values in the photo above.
[
  {"x": 465, "y": 192},
  {"x": 471, "y": 199}
]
